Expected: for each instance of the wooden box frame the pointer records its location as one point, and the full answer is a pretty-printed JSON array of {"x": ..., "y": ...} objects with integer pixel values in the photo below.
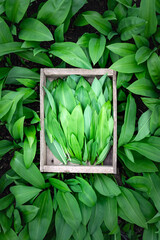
[{"x": 48, "y": 162}]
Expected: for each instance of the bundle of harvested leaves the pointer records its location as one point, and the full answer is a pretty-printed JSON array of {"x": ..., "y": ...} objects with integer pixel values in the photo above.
[{"x": 78, "y": 119}]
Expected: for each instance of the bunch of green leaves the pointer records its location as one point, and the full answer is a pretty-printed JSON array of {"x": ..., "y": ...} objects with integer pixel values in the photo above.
[{"x": 78, "y": 121}]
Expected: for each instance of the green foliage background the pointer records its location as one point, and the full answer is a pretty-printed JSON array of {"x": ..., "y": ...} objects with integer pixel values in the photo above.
[{"x": 125, "y": 37}]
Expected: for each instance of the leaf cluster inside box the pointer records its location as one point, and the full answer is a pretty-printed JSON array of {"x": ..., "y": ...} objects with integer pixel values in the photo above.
[{"x": 78, "y": 119}]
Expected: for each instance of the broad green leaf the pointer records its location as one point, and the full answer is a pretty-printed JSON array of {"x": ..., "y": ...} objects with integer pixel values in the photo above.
[
  {"x": 150, "y": 233},
  {"x": 129, "y": 154},
  {"x": 140, "y": 183},
  {"x": 111, "y": 215},
  {"x": 154, "y": 194},
  {"x": 86, "y": 213},
  {"x": 82, "y": 96},
  {"x": 10, "y": 47},
  {"x": 141, "y": 163},
  {"x": 88, "y": 195},
  {"x": 75, "y": 146},
  {"x": 140, "y": 41},
  {"x": 151, "y": 102},
  {"x": 5, "y": 146},
  {"x": 30, "y": 133},
  {"x": 98, "y": 22},
  {"x": 122, "y": 49},
  {"x": 143, "y": 54},
  {"x": 24, "y": 193},
  {"x": 155, "y": 120},
  {"x": 43, "y": 217},
  {"x": 63, "y": 230},
  {"x": 28, "y": 212},
  {"x": 120, "y": 11},
  {"x": 126, "y": 3},
  {"x": 17, "y": 221},
  {"x": 145, "y": 149},
  {"x": 128, "y": 127},
  {"x": 56, "y": 149},
  {"x": 94, "y": 123},
  {"x": 127, "y": 64},
  {"x": 5, "y": 34},
  {"x": 129, "y": 26},
  {"x": 17, "y": 129},
  {"x": 104, "y": 153},
  {"x": 51, "y": 101},
  {"x": 6, "y": 201},
  {"x": 155, "y": 219},
  {"x": 59, "y": 33},
  {"x": 96, "y": 48},
  {"x": 97, "y": 216},
  {"x": 71, "y": 53},
  {"x": 153, "y": 65},
  {"x": 143, "y": 87},
  {"x": 148, "y": 13},
  {"x": 128, "y": 203},
  {"x": 40, "y": 58},
  {"x": 123, "y": 79},
  {"x": 98, "y": 235},
  {"x": 21, "y": 72},
  {"x": 69, "y": 209},
  {"x": 143, "y": 126},
  {"x": 15, "y": 10},
  {"x": 59, "y": 185},
  {"x": 54, "y": 12},
  {"x": 87, "y": 120},
  {"x": 55, "y": 129},
  {"x": 24, "y": 235},
  {"x": 31, "y": 175},
  {"x": 10, "y": 234},
  {"x": 29, "y": 152},
  {"x": 33, "y": 30},
  {"x": 83, "y": 41},
  {"x": 145, "y": 205},
  {"x": 27, "y": 82},
  {"x": 97, "y": 87},
  {"x": 106, "y": 186},
  {"x": 64, "y": 117},
  {"x": 80, "y": 233},
  {"x": 64, "y": 95},
  {"x": 76, "y": 124},
  {"x": 103, "y": 131}
]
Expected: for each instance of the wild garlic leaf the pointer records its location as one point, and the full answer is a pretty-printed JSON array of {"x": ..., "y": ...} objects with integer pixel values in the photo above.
[
  {"x": 122, "y": 49},
  {"x": 143, "y": 54},
  {"x": 63, "y": 94},
  {"x": 71, "y": 53},
  {"x": 5, "y": 34},
  {"x": 96, "y": 48},
  {"x": 143, "y": 126},
  {"x": 15, "y": 10},
  {"x": 148, "y": 16},
  {"x": 144, "y": 87},
  {"x": 127, "y": 64},
  {"x": 128, "y": 127},
  {"x": 29, "y": 152},
  {"x": 33, "y": 30},
  {"x": 87, "y": 120},
  {"x": 17, "y": 129},
  {"x": 54, "y": 13},
  {"x": 129, "y": 26},
  {"x": 76, "y": 124},
  {"x": 75, "y": 147}
]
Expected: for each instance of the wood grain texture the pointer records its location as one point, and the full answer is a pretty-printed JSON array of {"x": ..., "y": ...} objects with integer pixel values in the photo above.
[{"x": 48, "y": 162}]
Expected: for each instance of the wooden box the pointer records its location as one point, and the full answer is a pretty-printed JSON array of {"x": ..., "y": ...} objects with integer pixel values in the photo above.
[{"x": 48, "y": 162}]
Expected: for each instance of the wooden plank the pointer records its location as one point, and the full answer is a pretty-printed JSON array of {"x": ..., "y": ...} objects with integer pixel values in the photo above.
[
  {"x": 43, "y": 149},
  {"x": 61, "y": 72},
  {"x": 78, "y": 169},
  {"x": 115, "y": 123}
]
